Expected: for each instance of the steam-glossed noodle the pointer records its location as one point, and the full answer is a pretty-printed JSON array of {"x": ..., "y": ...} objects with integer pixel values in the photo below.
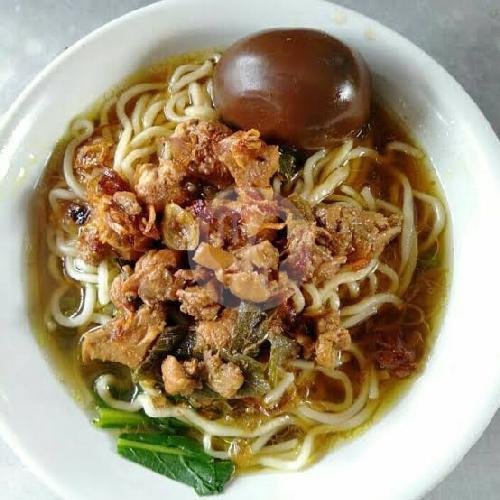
[{"x": 299, "y": 87}]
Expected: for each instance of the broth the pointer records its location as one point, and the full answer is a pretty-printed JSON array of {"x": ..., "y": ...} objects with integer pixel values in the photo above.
[{"x": 426, "y": 294}]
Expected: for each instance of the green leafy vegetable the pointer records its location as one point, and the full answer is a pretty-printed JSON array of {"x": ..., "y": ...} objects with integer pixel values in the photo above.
[
  {"x": 288, "y": 166},
  {"x": 211, "y": 401},
  {"x": 178, "y": 457},
  {"x": 282, "y": 348},
  {"x": 256, "y": 382},
  {"x": 109, "y": 418},
  {"x": 187, "y": 347},
  {"x": 246, "y": 336},
  {"x": 253, "y": 327},
  {"x": 158, "y": 445},
  {"x": 175, "y": 316},
  {"x": 167, "y": 341}
]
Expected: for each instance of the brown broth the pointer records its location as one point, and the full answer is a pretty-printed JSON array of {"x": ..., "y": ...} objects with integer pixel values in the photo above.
[{"x": 428, "y": 289}]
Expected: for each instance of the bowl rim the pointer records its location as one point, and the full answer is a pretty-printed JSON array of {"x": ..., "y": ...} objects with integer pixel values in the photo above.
[{"x": 488, "y": 138}]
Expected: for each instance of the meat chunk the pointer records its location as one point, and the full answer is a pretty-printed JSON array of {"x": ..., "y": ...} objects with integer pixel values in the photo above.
[
  {"x": 396, "y": 352},
  {"x": 248, "y": 285},
  {"x": 198, "y": 275},
  {"x": 212, "y": 257},
  {"x": 108, "y": 182},
  {"x": 224, "y": 378},
  {"x": 253, "y": 214},
  {"x": 118, "y": 222},
  {"x": 125, "y": 339},
  {"x": 358, "y": 234},
  {"x": 263, "y": 255},
  {"x": 239, "y": 218},
  {"x": 309, "y": 258},
  {"x": 91, "y": 157},
  {"x": 202, "y": 302},
  {"x": 190, "y": 153},
  {"x": 128, "y": 203},
  {"x": 195, "y": 151},
  {"x": 259, "y": 212},
  {"x": 179, "y": 378},
  {"x": 301, "y": 241},
  {"x": 155, "y": 274},
  {"x": 324, "y": 265},
  {"x": 256, "y": 284},
  {"x": 249, "y": 273},
  {"x": 152, "y": 281},
  {"x": 90, "y": 247},
  {"x": 250, "y": 160},
  {"x": 159, "y": 185},
  {"x": 123, "y": 290},
  {"x": 216, "y": 334},
  {"x": 331, "y": 338}
]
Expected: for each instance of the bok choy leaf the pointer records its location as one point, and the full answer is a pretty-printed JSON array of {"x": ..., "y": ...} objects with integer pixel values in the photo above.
[
  {"x": 109, "y": 418},
  {"x": 178, "y": 457}
]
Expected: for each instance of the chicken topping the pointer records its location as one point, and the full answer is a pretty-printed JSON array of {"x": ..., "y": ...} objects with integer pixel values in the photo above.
[
  {"x": 331, "y": 338},
  {"x": 251, "y": 286},
  {"x": 158, "y": 185},
  {"x": 125, "y": 339},
  {"x": 108, "y": 182},
  {"x": 235, "y": 313},
  {"x": 119, "y": 222},
  {"x": 224, "y": 378},
  {"x": 300, "y": 245},
  {"x": 202, "y": 302},
  {"x": 249, "y": 159},
  {"x": 194, "y": 147},
  {"x": 179, "y": 378},
  {"x": 191, "y": 153},
  {"x": 358, "y": 234},
  {"x": 91, "y": 157},
  {"x": 212, "y": 257},
  {"x": 90, "y": 247},
  {"x": 216, "y": 334},
  {"x": 263, "y": 255},
  {"x": 152, "y": 280}
]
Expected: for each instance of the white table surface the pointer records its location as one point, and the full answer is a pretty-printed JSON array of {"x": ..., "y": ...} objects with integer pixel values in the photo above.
[{"x": 462, "y": 35}]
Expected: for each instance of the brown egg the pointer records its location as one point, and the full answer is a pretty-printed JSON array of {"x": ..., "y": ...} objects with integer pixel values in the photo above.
[{"x": 299, "y": 87}]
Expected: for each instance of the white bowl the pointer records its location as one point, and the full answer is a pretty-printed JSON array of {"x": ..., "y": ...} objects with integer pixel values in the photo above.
[{"x": 446, "y": 410}]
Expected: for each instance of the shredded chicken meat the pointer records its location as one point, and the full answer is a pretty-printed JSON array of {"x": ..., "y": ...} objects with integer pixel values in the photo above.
[
  {"x": 250, "y": 160},
  {"x": 152, "y": 280},
  {"x": 179, "y": 378},
  {"x": 217, "y": 333},
  {"x": 331, "y": 339},
  {"x": 358, "y": 234},
  {"x": 120, "y": 223},
  {"x": 91, "y": 157},
  {"x": 158, "y": 185},
  {"x": 195, "y": 149},
  {"x": 201, "y": 302},
  {"x": 224, "y": 378},
  {"x": 204, "y": 268},
  {"x": 396, "y": 352},
  {"x": 126, "y": 339}
]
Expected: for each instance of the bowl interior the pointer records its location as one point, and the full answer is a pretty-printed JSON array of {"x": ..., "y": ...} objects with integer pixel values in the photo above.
[{"x": 429, "y": 430}]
